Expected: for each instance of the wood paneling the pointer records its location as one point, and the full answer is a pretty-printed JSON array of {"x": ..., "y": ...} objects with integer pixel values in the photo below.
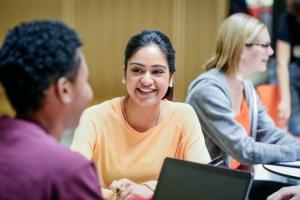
[
  {"x": 13, "y": 12},
  {"x": 106, "y": 26}
]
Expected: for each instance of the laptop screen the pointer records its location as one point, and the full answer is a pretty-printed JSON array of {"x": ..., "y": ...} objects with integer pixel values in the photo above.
[{"x": 187, "y": 180}]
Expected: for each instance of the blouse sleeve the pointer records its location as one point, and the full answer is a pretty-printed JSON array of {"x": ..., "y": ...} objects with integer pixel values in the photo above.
[
  {"x": 195, "y": 148},
  {"x": 85, "y": 135}
]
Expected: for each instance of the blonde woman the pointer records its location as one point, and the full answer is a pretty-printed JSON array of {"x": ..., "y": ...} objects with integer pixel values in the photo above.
[{"x": 234, "y": 122}]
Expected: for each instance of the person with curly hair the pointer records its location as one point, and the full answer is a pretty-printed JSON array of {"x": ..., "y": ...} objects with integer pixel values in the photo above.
[{"x": 45, "y": 77}]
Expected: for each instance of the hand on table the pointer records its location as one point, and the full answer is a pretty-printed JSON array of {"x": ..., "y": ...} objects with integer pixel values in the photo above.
[
  {"x": 284, "y": 112},
  {"x": 128, "y": 190},
  {"x": 286, "y": 193}
]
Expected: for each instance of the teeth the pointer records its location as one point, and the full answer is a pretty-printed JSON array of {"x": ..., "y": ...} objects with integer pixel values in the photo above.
[{"x": 146, "y": 90}]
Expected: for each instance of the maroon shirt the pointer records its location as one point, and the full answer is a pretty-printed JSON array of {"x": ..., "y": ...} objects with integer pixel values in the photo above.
[{"x": 34, "y": 166}]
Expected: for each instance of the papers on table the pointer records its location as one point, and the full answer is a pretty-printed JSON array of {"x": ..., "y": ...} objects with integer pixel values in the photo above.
[
  {"x": 292, "y": 172},
  {"x": 295, "y": 164}
]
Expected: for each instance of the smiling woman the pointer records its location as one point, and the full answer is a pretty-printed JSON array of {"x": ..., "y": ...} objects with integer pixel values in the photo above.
[
  {"x": 234, "y": 122},
  {"x": 129, "y": 137}
]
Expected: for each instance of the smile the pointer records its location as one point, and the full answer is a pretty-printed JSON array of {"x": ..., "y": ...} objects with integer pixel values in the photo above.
[{"x": 146, "y": 90}]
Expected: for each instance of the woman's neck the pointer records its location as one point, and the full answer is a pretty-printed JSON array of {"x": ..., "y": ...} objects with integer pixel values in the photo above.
[
  {"x": 236, "y": 87},
  {"x": 141, "y": 118}
]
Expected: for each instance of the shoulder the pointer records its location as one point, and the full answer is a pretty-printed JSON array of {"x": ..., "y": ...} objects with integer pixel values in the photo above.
[
  {"x": 185, "y": 119},
  {"x": 211, "y": 89},
  {"x": 64, "y": 158},
  {"x": 181, "y": 112},
  {"x": 208, "y": 84},
  {"x": 103, "y": 110},
  {"x": 51, "y": 159},
  {"x": 179, "y": 107}
]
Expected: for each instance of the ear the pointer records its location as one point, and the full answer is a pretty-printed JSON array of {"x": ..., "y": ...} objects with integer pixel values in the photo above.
[
  {"x": 124, "y": 76},
  {"x": 64, "y": 90},
  {"x": 171, "y": 81},
  {"x": 123, "y": 80}
]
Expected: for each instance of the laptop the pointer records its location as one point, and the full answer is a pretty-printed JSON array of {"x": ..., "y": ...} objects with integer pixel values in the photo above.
[{"x": 180, "y": 180}]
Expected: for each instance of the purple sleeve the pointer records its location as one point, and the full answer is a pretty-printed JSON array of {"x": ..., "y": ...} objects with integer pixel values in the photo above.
[{"x": 83, "y": 184}]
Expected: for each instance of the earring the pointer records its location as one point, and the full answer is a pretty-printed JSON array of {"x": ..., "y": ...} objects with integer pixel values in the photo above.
[
  {"x": 171, "y": 84},
  {"x": 123, "y": 81},
  {"x": 67, "y": 99}
]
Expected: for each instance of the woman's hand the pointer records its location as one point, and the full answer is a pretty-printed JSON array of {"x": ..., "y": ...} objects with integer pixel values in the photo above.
[
  {"x": 128, "y": 190},
  {"x": 285, "y": 193},
  {"x": 284, "y": 112}
]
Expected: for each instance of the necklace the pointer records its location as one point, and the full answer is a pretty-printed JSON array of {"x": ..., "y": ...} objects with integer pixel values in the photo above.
[{"x": 125, "y": 115}]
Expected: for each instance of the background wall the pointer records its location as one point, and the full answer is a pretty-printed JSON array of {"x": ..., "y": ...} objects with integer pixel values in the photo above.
[{"x": 106, "y": 25}]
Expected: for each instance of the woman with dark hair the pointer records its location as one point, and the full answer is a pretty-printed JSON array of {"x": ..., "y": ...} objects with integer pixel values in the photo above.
[{"x": 129, "y": 137}]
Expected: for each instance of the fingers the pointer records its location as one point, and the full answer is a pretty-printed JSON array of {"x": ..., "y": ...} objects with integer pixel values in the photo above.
[
  {"x": 121, "y": 188},
  {"x": 284, "y": 193},
  {"x": 128, "y": 190},
  {"x": 114, "y": 186},
  {"x": 122, "y": 184},
  {"x": 284, "y": 110},
  {"x": 283, "y": 115},
  {"x": 124, "y": 194}
]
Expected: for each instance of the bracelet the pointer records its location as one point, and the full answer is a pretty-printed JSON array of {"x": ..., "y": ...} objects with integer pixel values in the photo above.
[{"x": 147, "y": 186}]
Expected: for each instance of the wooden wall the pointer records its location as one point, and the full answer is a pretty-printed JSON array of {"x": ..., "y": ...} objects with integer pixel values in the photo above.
[{"x": 106, "y": 25}]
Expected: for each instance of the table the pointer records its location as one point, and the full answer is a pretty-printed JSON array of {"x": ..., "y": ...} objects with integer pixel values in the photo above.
[{"x": 290, "y": 172}]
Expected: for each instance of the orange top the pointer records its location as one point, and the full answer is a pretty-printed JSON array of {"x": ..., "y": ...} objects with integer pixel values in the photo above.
[
  {"x": 270, "y": 97},
  {"x": 119, "y": 151},
  {"x": 244, "y": 119}
]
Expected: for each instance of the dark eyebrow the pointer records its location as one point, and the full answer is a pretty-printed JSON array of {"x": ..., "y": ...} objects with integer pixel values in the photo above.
[
  {"x": 141, "y": 65},
  {"x": 136, "y": 63},
  {"x": 159, "y": 66}
]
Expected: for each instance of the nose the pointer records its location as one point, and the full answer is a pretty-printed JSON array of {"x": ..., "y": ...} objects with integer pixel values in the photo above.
[
  {"x": 147, "y": 79},
  {"x": 270, "y": 51}
]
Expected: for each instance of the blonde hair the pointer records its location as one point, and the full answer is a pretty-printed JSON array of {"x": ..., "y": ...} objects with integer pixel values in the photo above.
[{"x": 234, "y": 33}]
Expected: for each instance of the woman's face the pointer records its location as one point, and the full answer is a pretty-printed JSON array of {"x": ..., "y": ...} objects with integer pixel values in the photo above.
[
  {"x": 147, "y": 76},
  {"x": 255, "y": 56}
]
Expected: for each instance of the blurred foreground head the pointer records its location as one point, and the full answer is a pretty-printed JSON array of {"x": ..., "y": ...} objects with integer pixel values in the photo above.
[{"x": 44, "y": 73}]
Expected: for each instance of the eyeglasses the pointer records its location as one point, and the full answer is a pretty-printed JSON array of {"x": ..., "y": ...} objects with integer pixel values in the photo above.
[{"x": 265, "y": 46}]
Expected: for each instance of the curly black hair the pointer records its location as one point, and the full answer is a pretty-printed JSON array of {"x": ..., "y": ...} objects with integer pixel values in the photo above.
[{"x": 33, "y": 56}]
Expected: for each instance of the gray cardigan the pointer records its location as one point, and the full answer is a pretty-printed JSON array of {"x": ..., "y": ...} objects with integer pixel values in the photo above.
[{"x": 209, "y": 95}]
